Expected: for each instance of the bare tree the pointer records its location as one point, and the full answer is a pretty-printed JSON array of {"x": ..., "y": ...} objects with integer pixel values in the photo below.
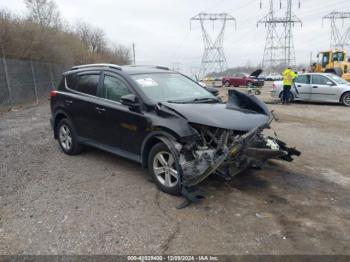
[
  {"x": 93, "y": 38},
  {"x": 6, "y": 19},
  {"x": 44, "y": 12},
  {"x": 37, "y": 39}
]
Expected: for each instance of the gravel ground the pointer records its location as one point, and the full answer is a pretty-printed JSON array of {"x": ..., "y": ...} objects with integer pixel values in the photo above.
[{"x": 98, "y": 203}]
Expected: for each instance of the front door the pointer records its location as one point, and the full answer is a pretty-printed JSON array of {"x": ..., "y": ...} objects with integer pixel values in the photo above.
[
  {"x": 323, "y": 88},
  {"x": 119, "y": 126},
  {"x": 302, "y": 87}
]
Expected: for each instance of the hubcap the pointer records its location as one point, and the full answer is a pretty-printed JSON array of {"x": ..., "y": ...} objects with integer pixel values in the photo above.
[
  {"x": 65, "y": 137},
  {"x": 347, "y": 100},
  {"x": 164, "y": 169}
]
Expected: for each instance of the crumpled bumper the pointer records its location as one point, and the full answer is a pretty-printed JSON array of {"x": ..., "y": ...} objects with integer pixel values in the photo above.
[{"x": 250, "y": 149}]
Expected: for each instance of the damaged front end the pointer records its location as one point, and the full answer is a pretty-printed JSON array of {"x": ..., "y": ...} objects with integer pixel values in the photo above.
[{"x": 228, "y": 151}]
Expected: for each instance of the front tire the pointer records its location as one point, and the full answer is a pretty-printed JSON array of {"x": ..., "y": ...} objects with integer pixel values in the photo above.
[
  {"x": 345, "y": 99},
  {"x": 162, "y": 168},
  {"x": 67, "y": 138},
  {"x": 227, "y": 84}
]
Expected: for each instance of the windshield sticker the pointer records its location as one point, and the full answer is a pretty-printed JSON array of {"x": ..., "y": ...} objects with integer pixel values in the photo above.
[{"x": 145, "y": 82}]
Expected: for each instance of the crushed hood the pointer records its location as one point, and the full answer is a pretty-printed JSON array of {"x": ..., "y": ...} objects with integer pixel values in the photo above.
[{"x": 219, "y": 115}]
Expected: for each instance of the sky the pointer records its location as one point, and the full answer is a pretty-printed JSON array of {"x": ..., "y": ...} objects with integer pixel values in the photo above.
[{"x": 161, "y": 30}]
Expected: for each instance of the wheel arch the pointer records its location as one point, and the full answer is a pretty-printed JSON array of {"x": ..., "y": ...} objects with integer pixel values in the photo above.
[
  {"x": 292, "y": 94},
  {"x": 59, "y": 115},
  {"x": 343, "y": 94},
  {"x": 151, "y": 140}
]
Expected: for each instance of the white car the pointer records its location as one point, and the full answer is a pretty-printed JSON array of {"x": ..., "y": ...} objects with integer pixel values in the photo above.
[
  {"x": 273, "y": 77},
  {"x": 318, "y": 87}
]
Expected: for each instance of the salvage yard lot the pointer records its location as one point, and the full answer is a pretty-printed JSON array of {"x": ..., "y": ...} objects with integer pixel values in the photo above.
[{"x": 98, "y": 203}]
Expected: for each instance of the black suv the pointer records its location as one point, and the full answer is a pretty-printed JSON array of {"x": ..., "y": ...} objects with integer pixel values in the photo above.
[{"x": 163, "y": 120}]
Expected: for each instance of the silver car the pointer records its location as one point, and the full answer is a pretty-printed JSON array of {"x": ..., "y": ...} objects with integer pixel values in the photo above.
[{"x": 318, "y": 87}]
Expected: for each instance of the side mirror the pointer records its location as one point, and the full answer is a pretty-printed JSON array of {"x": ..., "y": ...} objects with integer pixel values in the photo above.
[
  {"x": 131, "y": 101},
  {"x": 329, "y": 83},
  {"x": 213, "y": 91}
]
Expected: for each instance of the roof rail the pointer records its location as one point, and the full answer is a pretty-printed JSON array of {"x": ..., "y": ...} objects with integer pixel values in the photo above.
[
  {"x": 97, "y": 65},
  {"x": 162, "y": 67},
  {"x": 152, "y": 66}
]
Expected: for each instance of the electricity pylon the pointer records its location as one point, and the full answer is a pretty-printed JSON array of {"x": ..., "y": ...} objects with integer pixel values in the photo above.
[
  {"x": 279, "y": 45},
  {"x": 213, "y": 59},
  {"x": 340, "y": 30}
]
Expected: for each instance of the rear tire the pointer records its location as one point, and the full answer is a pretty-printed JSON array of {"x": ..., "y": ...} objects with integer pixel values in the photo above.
[
  {"x": 291, "y": 98},
  {"x": 162, "y": 168},
  {"x": 67, "y": 137},
  {"x": 345, "y": 99}
]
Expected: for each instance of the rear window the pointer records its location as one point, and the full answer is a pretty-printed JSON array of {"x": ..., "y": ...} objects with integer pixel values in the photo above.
[
  {"x": 303, "y": 79},
  {"x": 71, "y": 80},
  {"x": 86, "y": 84}
]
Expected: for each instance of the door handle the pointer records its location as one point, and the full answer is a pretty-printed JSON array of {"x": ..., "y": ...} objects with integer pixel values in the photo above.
[
  {"x": 315, "y": 87},
  {"x": 298, "y": 85},
  {"x": 100, "y": 109},
  {"x": 68, "y": 102}
]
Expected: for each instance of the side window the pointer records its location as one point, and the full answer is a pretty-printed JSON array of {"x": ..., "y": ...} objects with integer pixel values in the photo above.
[
  {"x": 303, "y": 79},
  {"x": 320, "y": 80},
  {"x": 114, "y": 88},
  {"x": 71, "y": 80},
  {"x": 87, "y": 84}
]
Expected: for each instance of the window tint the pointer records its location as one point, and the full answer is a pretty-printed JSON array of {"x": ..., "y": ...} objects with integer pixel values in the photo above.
[
  {"x": 320, "y": 80},
  {"x": 114, "y": 88},
  {"x": 71, "y": 80},
  {"x": 87, "y": 84},
  {"x": 303, "y": 79}
]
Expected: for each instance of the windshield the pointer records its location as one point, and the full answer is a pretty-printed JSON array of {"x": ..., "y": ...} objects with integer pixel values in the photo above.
[
  {"x": 338, "y": 56},
  {"x": 338, "y": 79},
  {"x": 162, "y": 87}
]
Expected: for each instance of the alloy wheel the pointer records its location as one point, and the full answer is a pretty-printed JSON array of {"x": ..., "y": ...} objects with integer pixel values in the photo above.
[
  {"x": 346, "y": 100},
  {"x": 65, "y": 137},
  {"x": 164, "y": 169}
]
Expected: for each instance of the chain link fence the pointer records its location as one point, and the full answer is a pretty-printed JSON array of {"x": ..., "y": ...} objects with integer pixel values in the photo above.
[{"x": 23, "y": 81}]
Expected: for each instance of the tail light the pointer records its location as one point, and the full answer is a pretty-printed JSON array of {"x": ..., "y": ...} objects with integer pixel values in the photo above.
[
  {"x": 273, "y": 86},
  {"x": 53, "y": 93}
]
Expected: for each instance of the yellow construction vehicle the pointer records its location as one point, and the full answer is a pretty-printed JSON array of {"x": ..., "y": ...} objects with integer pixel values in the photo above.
[{"x": 335, "y": 62}]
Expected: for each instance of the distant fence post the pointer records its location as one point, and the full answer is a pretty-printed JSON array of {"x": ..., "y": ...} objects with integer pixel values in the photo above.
[
  {"x": 6, "y": 76},
  {"x": 34, "y": 82}
]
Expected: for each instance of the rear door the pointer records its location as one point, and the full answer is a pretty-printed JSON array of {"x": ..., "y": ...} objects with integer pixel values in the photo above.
[
  {"x": 323, "y": 88},
  {"x": 83, "y": 101},
  {"x": 302, "y": 87}
]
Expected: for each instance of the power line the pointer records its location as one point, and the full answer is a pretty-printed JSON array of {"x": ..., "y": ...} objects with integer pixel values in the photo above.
[
  {"x": 279, "y": 45},
  {"x": 340, "y": 34},
  {"x": 213, "y": 59}
]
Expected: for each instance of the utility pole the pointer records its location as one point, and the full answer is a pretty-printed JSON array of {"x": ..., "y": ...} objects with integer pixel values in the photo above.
[
  {"x": 310, "y": 59},
  {"x": 340, "y": 29},
  {"x": 279, "y": 46},
  {"x": 213, "y": 59},
  {"x": 133, "y": 53}
]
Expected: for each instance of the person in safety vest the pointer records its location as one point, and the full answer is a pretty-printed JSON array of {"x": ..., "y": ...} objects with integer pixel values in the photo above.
[{"x": 288, "y": 77}]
